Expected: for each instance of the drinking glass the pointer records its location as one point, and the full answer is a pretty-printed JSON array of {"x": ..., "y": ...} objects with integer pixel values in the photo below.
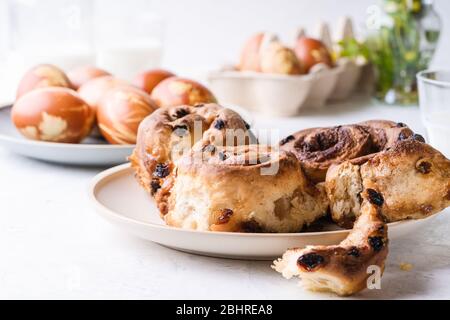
[
  {"x": 51, "y": 31},
  {"x": 434, "y": 101},
  {"x": 128, "y": 37},
  {"x": 57, "y": 32}
]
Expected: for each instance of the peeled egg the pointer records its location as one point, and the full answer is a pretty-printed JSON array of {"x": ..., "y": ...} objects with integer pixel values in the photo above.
[
  {"x": 120, "y": 111},
  {"x": 175, "y": 91},
  {"x": 41, "y": 76},
  {"x": 148, "y": 80},
  {"x": 311, "y": 52},
  {"x": 53, "y": 114},
  {"x": 81, "y": 75}
]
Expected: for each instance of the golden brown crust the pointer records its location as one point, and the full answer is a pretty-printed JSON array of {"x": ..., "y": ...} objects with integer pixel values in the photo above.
[
  {"x": 403, "y": 178},
  {"x": 170, "y": 132},
  {"x": 248, "y": 188},
  {"x": 413, "y": 177},
  {"x": 319, "y": 148},
  {"x": 344, "y": 268},
  {"x": 384, "y": 134},
  {"x": 409, "y": 179}
]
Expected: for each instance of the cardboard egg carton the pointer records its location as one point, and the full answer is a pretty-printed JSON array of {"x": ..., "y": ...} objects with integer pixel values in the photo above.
[{"x": 286, "y": 95}]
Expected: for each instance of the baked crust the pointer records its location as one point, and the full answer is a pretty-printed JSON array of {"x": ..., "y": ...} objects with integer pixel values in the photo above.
[
  {"x": 406, "y": 179},
  {"x": 170, "y": 132},
  {"x": 365, "y": 174},
  {"x": 413, "y": 177},
  {"x": 319, "y": 148},
  {"x": 344, "y": 268},
  {"x": 251, "y": 188}
]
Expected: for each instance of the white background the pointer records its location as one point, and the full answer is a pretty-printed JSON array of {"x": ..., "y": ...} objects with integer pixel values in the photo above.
[{"x": 208, "y": 33}]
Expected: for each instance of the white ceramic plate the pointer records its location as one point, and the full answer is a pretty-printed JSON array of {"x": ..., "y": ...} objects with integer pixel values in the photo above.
[
  {"x": 92, "y": 152},
  {"x": 117, "y": 197}
]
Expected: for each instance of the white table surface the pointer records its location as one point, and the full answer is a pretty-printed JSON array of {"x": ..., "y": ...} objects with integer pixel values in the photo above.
[{"x": 53, "y": 245}]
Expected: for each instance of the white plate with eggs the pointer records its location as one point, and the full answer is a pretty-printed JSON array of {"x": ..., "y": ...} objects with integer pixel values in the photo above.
[
  {"x": 91, "y": 152},
  {"x": 117, "y": 196}
]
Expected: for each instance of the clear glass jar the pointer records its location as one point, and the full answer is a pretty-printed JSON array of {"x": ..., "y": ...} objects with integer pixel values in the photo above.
[
  {"x": 402, "y": 45},
  {"x": 434, "y": 94}
]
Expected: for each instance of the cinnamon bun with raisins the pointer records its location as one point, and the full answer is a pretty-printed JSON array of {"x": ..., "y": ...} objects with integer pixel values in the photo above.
[
  {"x": 248, "y": 188},
  {"x": 408, "y": 180},
  {"x": 170, "y": 132},
  {"x": 319, "y": 148},
  {"x": 413, "y": 177},
  {"x": 341, "y": 268}
]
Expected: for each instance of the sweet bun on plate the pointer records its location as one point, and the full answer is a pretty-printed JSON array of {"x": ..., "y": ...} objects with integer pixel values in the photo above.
[
  {"x": 53, "y": 114},
  {"x": 408, "y": 180},
  {"x": 365, "y": 174},
  {"x": 170, "y": 132},
  {"x": 41, "y": 76},
  {"x": 341, "y": 268},
  {"x": 120, "y": 111},
  {"x": 248, "y": 188}
]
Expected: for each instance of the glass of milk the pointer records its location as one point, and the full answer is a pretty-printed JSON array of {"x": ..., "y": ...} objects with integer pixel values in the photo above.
[
  {"x": 128, "y": 38},
  {"x": 434, "y": 101},
  {"x": 58, "y": 32}
]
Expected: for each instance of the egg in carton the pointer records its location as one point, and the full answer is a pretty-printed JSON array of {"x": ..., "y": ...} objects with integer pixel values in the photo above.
[
  {"x": 316, "y": 53},
  {"x": 274, "y": 79}
]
